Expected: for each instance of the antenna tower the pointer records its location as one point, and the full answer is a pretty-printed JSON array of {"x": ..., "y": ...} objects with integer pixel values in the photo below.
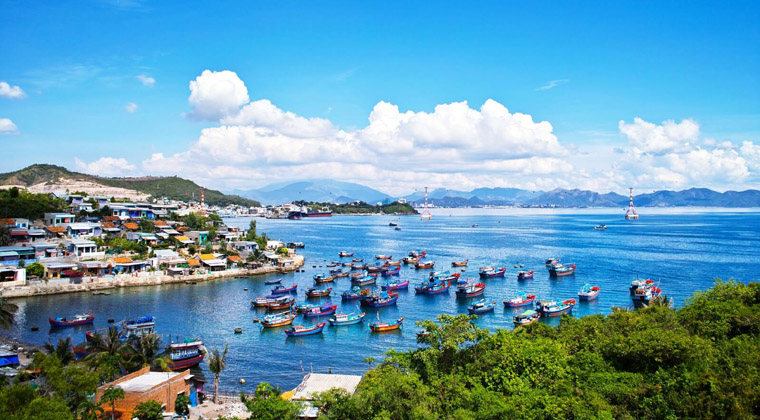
[
  {"x": 425, "y": 212},
  {"x": 203, "y": 199},
  {"x": 631, "y": 214}
]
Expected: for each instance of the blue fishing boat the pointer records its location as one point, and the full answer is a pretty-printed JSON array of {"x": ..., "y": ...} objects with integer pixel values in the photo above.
[
  {"x": 480, "y": 307},
  {"x": 528, "y": 317},
  {"x": 78, "y": 319},
  {"x": 346, "y": 319},
  {"x": 390, "y": 271},
  {"x": 300, "y": 330},
  {"x": 364, "y": 281},
  {"x": 489, "y": 272},
  {"x": 325, "y": 309},
  {"x": 432, "y": 288},
  {"x": 282, "y": 290},
  {"x": 379, "y": 300},
  {"x": 356, "y": 292},
  {"x": 552, "y": 308},
  {"x": 588, "y": 292},
  {"x": 395, "y": 285}
]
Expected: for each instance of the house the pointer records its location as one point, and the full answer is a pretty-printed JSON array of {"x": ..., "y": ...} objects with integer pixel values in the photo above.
[
  {"x": 55, "y": 232},
  {"x": 213, "y": 262},
  {"x": 123, "y": 265},
  {"x": 15, "y": 223},
  {"x": 317, "y": 383},
  {"x": 83, "y": 230},
  {"x": 273, "y": 245},
  {"x": 56, "y": 219},
  {"x": 144, "y": 385},
  {"x": 96, "y": 268},
  {"x": 184, "y": 240},
  {"x": 130, "y": 227},
  {"x": 82, "y": 248},
  {"x": 58, "y": 269},
  {"x": 102, "y": 201},
  {"x": 46, "y": 249},
  {"x": 235, "y": 261},
  {"x": 271, "y": 257},
  {"x": 245, "y": 246},
  {"x": 16, "y": 255},
  {"x": 85, "y": 207},
  {"x": 144, "y": 237},
  {"x": 116, "y": 220},
  {"x": 168, "y": 258},
  {"x": 12, "y": 276},
  {"x": 199, "y": 236},
  {"x": 110, "y": 228}
]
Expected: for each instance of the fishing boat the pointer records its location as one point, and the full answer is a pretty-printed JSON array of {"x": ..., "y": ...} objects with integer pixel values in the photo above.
[
  {"x": 282, "y": 302},
  {"x": 640, "y": 283},
  {"x": 313, "y": 292},
  {"x": 305, "y": 307},
  {"x": 445, "y": 276},
  {"x": 522, "y": 299},
  {"x": 414, "y": 257},
  {"x": 384, "y": 326},
  {"x": 551, "y": 261},
  {"x": 460, "y": 263},
  {"x": 379, "y": 300},
  {"x": 346, "y": 319},
  {"x": 524, "y": 275},
  {"x": 282, "y": 290},
  {"x": 343, "y": 254},
  {"x": 356, "y": 292},
  {"x": 528, "y": 317},
  {"x": 391, "y": 272},
  {"x": 271, "y": 282},
  {"x": 262, "y": 301},
  {"x": 552, "y": 308},
  {"x": 588, "y": 292},
  {"x": 359, "y": 275},
  {"x": 644, "y": 294},
  {"x": 600, "y": 227},
  {"x": 341, "y": 274},
  {"x": 347, "y": 264},
  {"x": 489, "y": 272},
  {"x": 392, "y": 224},
  {"x": 135, "y": 328},
  {"x": 359, "y": 266},
  {"x": 335, "y": 270},
  {"x": 470, "y": 289},
  {"x": 375, "y": 268},
  {"x": 78, "y": 319},
  {"x": 300, "y": 330},
  {"x": 420, "y": 265},
  {"x": 321, "y": 278},
  {"x": 383, "y": 257},
  {"x": 277, "y": 320},
  {"x": 480, "y": 307},
  {"x": 324, "y": 309},
  {"x": 396, "y": 285},
  {"x": 432, "y": 288},
  {"x": 357, "y": 259},
  {"x": 364, "y": 281},
  {"x": 186, "y": 354},
  {"x": 561, "y": 270}
]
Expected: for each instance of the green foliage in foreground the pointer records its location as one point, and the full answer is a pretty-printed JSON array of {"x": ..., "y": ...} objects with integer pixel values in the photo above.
[{"x": 701, "y": 361}]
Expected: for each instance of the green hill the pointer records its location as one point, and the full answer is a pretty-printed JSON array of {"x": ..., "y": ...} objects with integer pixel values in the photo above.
[{"x": 174, "y": 188}]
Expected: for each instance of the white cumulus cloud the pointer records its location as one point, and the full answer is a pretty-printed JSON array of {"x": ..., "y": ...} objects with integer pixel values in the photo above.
[
  {"x": 13, "y": 92},
  {"x": 105, "y": 166},
  {"x": 666, "y": 137},
  {"x": 216, "y": 94},
  {"x": 131, "y": 107},
  {"x": 146, "y": 80},
  {"x": 7, "y": 127}
]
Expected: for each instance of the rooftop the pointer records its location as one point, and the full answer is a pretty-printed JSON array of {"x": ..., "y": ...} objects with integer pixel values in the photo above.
[{"x": 146, "y": 381}]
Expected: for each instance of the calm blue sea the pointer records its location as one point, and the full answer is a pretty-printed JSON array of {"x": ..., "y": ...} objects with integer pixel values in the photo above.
[{"x": 682, "y": 250}]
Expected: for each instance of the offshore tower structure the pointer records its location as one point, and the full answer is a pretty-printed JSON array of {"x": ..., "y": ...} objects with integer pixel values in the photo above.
[
  {"x": 425, "y": 212},
  {"x": 631, "y": 214}
]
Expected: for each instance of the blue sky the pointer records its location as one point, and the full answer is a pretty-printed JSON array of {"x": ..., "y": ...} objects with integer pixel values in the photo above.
[{"x": 77, "y": 65}]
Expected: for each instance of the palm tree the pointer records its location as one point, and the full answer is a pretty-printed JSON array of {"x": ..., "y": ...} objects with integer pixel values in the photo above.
[
  {"x": 62, "y": 351},
  {"x": 109, "y": 343},
  {"x": 216, "y": 364},
  {"x": 89, "y": 411},
  {"x": 146, "y": 350},
  {"x": 7, "y": 313},
  {"x": 110, "y": 396}
]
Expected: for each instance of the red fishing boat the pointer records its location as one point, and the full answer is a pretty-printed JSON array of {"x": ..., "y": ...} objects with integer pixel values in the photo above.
[
  {"x": 524, "y": 275},
  {"x": 470, "y": 289},
  {"x": 520, "y": 300},
  {"x": 588, "y": 292},
  {"x": 326, "y": 309}
]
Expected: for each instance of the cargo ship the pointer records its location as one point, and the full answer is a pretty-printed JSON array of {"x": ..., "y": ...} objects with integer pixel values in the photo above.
[{"x": 306, "y": 212}]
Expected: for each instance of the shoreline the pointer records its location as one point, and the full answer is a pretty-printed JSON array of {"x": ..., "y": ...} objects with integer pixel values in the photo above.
[{"x": 143, "y": 279}]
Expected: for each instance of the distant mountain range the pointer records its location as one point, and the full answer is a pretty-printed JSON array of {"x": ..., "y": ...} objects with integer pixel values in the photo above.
[{"x": 331, "y": 191}]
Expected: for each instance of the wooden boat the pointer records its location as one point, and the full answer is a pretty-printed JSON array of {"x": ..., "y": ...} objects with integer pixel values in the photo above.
[
  {"x": 271, "y": 282},
  {"x": 396, "y": 285},
  {"x": 356, "y": 292},
  {"x": 374, "y": 269},
  {"x": 300, "y": 330},
  {"x": 446, "y": 276},
  {"x": 358, "y": 276},
  {"x": 312, "y": 292},
  {"x": 600, "y": 227},
  {"x": 325, "y": 309},
  {"x": 283, "y": 302},
  {"x": 343, "y": 254},
  {"x": 185, "y": 354},
  {"x": 321, "y": 278},
  {"x": 305, "y": 307},
  {"x": 347, "y": 264},
  {"x": 346, "y": 319},
  {"x": 383, "y": 326},
  {"x": 420, "y": 265},
  {"x": 383, "y": 257},
  {"x": 480, "y": 307},
  {"x": 528, "y": 317},
  {"x": 336, "y": 270},
  {"x": 282, "y": 290},
  {"x": 460, "y": 263},
  {"x": 341, "y": 274},
  {"x": 470, "y": 289},
  {"x": 524, "y": 275},
  {"x": 277, "y": 320},
  {"x": 561, "y": 270},
  {"x": 262, "y": 301},
  {"x": 432, "y": 288},
  {"x": 552, "y": 308},
  {"x": 490, "y": 272},
  {"x": 331, "y": 265},
  {"x": 364, "y": 281},
  {"x": 394, "y": 263},
  {"x": 78, "y": 319},
  {"x": 380, "y": 300},
  {"x": 520, "y": 300},
  {"x": 391, "y": 272},
  {"x": 588, "y": 292},
  {"x": 413, "y": 257},
  {"x": 359, "y": 266},
  {"x": 357, "y": 259}
]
